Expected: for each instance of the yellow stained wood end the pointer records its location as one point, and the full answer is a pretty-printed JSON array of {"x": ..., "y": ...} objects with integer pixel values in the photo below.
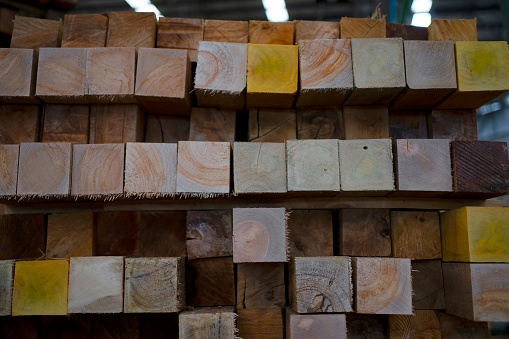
[
  {"x": 488, "y": 233},
  {"x": 40, "y": 288},
  {"x": 454, "y": 232},
  {"x": 272, "y": 68},
  {"x": 482, "y": 65}
]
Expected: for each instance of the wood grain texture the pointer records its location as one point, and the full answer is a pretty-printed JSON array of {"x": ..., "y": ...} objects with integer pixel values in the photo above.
[
  {"x": 163, "y": 128},
  {"x": 226, "y": 31},
  {"x": 220, "y": 79},
  {"x": 117, "y": 123},
  {"x": 154, "y": 285},
  {"x": 272, "y": 75},
  {"x": 44, "y": 169},
  {"x": 313, "y": 165},
  {"x": 365, "y": 232},
  {"x": 407, "y": 32},
  {"x": 70, "y": 235},
  {"x": 259, "y": 167},
  {"x": 259, "y": 235},
  {"x": 9, "y": 155},
  {"x": 180, "y": 33},
  {"x": 366, "y": 122},
  {"x": 321, "y": 284},
  {"x": 61, "y": 75},
  {"x": 6, "y": 282},
  {"x": 352, "y": 28},
  {"x": 98, "y": 170},
  {"x": 300, "y": 326},
  {"x": 311, "y": 30},
  {"x": 19, "y": 123},
  {"x": 212, "y": 124},
  {"x": 203, "y": 168},
  {"x": 66, "y": 123},
  {"x": 422, "y": 324},
  {"x": 209, "y": 234},
  {"x": 453, "y": 30},
  {"x": 378, "y": 71},
  {"x": 15, "y": 327},
  {"x": 305, "y": 241},
  {"x": 70, "y": 326},
  {"x": 261, "y": 286},
  {"x": 453, "y": 125},
  {"x": 260, "y": 324},
  {"x": 325, "y": 69},
  {"x": 453, "y": 327},
  {"x": 23, "y": 236},
  {"x": 423, "y": 165},
  {"x": 366, "y": 166},
  {"x": 480, "y": 168},
  {"x": 408, "y": 124},
  {"x": 35, "y": 33},
  {"x": 320, "y": 123},
  {"x": 275, "y": 33},
  {"x": 360, "y": 326},
  {"x": 115, "y": 326},
  {"x": 382, "y": 285},
  {"x": 209, "y": 322},
  {"x": 40, "y": 287},
  {"x": 163, "y": 81},
  {"x": 162, "y": 233},
  {"x": 17, "y": 72},
  {"x": 272, "y": 125},
  {"x": 210, "y": 282},
  {"x": 150, "y": 169},
  {"x": 118, "y": 233},
  {"x": 84, "y": 30},
  {"x": 131, "y": 29},
  {"x": 427, "y": 285}
]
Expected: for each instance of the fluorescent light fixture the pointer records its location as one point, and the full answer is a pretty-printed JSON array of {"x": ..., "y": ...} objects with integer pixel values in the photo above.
[
  {"x": 421, "y": 6},
  {"x": 275, "y": 10},
  {"x": 421, "y": 19},
  {"x": 137, "y": 3},
  {"x": 144, "y": 6}
]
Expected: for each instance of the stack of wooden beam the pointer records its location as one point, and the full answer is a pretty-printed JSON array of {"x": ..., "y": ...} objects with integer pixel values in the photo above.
[{"x": 312, "y": 222}]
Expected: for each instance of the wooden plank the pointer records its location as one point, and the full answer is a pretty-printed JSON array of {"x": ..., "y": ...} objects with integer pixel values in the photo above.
[
  {"x": 23, "y": 236},
  {"x": 16, "y": 327},
  {"x": 316, "y": 241},
  {"x": 452, "y": 327},
  {"x": 311, "y": 30},
  {"x": 226, "y": 31},
  {"x": 210, "y": 282},
  {"x": 40, "y": 287},
  {"x": 163, "y": 128},
  {"x": 382, "y": 285},
  {"x": 19, "y": 123},
  {"x": 6, "y": 282},
  {"x": 275, "y": 33},
  {"x": 360, "y": 326},
  {"x": 352, "y": 28},
  {"x": 203, "y": 168},
  {"x": 180, "y": 33},
  {"x": 313, "y": 165},
  {"x": 9, "y": 155},
  {"x": 428, "y": 285},
  {"x": 423, "y": 166},
  {"x": 423, "y": 323},
  {"x": 118, "y": 234},
  {"x": 259, "y": 235},
  {"x": 408, "y": 124},
  {"x": 35, "y": 33},
  {"x": 325, "y": 72},
  {"x": 366, "y": 166},
  {"x": 212, "y": 124},
  {"x": 209, "y": 322},
  {"x": 480, "y": 168},
  {"x": 117, "y": 123},
  {"x": 85, "y": 30},
  {"x": 320, "y": 123},
  {"x": 260, "y": 324},
  {"x": 366, "y": 122},
  {"x": 150, "y": 169},
  {"x": 154, "y": 285},
  {"x": 70, "y": 235},
  {"x": 162, "y": 233},
  {"x": 378, "y": 71},
  {"x": 115, "y": 326},
  {"x": 430, "y": 70},
  {"x": 365, "y": 232},
  {"x": 62, "y": 76},
  {"x": 300, "y": 326},
  {"x": 415, "y": 235},
  {"x": 407, "y": 32},
  {"x": 163, "y": 81},
  {"x": 452, "y": 124},
  {"x": 453, "y": 30},
  {"x": 272, "y": 125},
  {"x": 261, "y": 286},
  {"x": 160, "y": 325},
  {"x": 267, "y": 87},
  {"x": 483, "y": 74},
  {"x": 320, "y": 284},
  {"x": 71, "y": 326},
  {"x": 209, "y": 234},
  {"x": 473, "y": 234},
  {"x": 131, "y": 29},
  {"x": 260, "y": 168},
  {"x": 97, "y": 170},
  {"x": 66, "y": 123},
  {"x": 17, "y": 73},
  {"x": 96, "y": 285},
  {"x": 44, "y": 169}
]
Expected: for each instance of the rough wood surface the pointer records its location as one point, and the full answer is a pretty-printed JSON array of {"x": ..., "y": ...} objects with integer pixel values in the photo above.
[
  {"x": 212, "y": 124},
  {"x": 6, "y": 282},
  {"x": 117, "y": 123},
  {"x": 209, "y": 234},
  {"x": 259, "y": 235},
  {"x": 361, "y": 326},
  {"x": 422, "y": 324},
  {"x": 23, "y": 236},
  {"x": 352, "y": 28},
  {"x": 408, "y": 124},
  {"x": 96, "y": 285},
  {"x": 19, "y": 123},
  {"x": 154, "y": 285},
  {"x": 365, "y": 232},
  {"x": 261, "y": 285},
  {"x": 115, "y": 326},
  {"x": 17, "y": 71},
  {"x": 44, "y": 169},
  {"x": 163, "y": 128},
  {"x": 382, "y": 285},
  {"x": 66, "y": 123},
  {"x": 260, "y": 324},
  {"x": 162, "y": 233},
  {"x": 35, "y": 33},
  {"x": 453, "y": 30},
  {"x": 70, "y": 326},
  {"x": 272, "y": 125},
  {"x": 427, "y": 285},
  {"x": 306, "y": 241},
  {"x": 276, "y": 33},
  {"x": 118, "y": 233},
  {"x": 453, "y": 327},
  {"x": 321, "y": 284},
  {"x": 40, "y": 287},
  {"x": 131, "y": 29},
  {"x": 453, "y": 125},
  {"x": 320, "y": 123},
  {"x": 325, "y": 72},
  {"x": 180, "y": 33},
  {"x": 85, "y": 30},
  {"x": 311, "y": 30},
  {"x": 366, "y": 122},
  {"x": 9, "y": 155},
  {"x": 315, "y": 325},
  {"x": 70, "y": 235},
  {"x": 226, "y": 31},
  {"x": 407, "y": 32},
  {"x": 210, "y": 322}
]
